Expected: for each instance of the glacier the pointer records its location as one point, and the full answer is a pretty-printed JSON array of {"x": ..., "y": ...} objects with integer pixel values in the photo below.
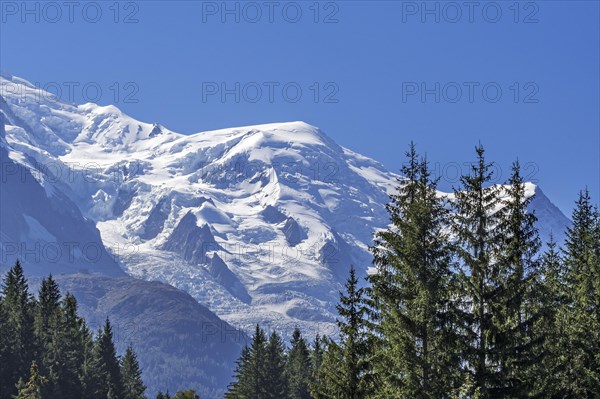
[{"x": 259, "y": 223}]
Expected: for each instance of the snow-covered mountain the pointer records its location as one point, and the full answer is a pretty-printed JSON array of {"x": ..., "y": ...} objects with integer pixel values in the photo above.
[{"x": 258, "y": 223}]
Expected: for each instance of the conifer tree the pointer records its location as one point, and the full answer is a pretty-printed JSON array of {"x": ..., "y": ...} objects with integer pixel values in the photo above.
[
  {"x": 410, "y": 294},
  {"x": 298, "y": 368},
  {"x": 242, "y": 383},
  {"x": 187, "y": 394},
  {"x": 345, "y": 375},
  {"x": 479, "y": 240},
  {"x": 258, "y": 363},
  {"x": 131, "y": 374},
  {"x": 5, "y": 367},
  {"x": 516, "y": 280},
  {"x": 251, "y": 370},
  {"x": 276, "y": 385},
  {"x": 90, "y": 379},
  {"x": 47, "y": 314},
  {"x": 65, "y": 353},
  {"x": 33, "y": 388},
  {"x": 316, "y": 354},
  {"x": 545, "y": 378},
  {"x": 19, "y": 306},
  {"x": 330, "y": 377},
  {"x": 106, "y": 365},
  {"x": 579, "y": 318}
]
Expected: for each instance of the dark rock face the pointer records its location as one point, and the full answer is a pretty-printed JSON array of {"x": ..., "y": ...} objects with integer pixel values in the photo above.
[
  {"x": 179, "y": 342},
  {"x": 156, "y": 220},
  {"x": 123, "y": 200},
  {"x": 294, "y": 234},
  {"x": 190, "y": 241},
  {"x": 336, "y": 254},
  {"x": 41, "y": 226},
  {"x": 272, "y": 215},
  {"x": 551, "y": 221},
  {"x": 224, "y": 276}
]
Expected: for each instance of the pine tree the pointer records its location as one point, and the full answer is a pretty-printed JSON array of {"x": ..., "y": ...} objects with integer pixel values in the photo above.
[
  {"x": 188, "y": 394},
  {"x": 517, "y": 283},
  {"x": 579, "y": 318},
  {"x": 47, "y": 315},
  {"x": 251, "y": 370},
  {"x": 276, "y": 385},
  {"x": 316, "y": 354},
  {"x": 5, "y": 367},
  {"x": 133, "y": 386},
  {"x": 33, "y": 388},
  {"x": 330, "y": 377},
  {"x": 163, "y": 395},
  {"x": 298, "y": 368},
  {"x": 410, "y": 294},
  {"x": 551, "y": 299},
  {"x": 90, "y": 379},
  {"x": 19, "y": 306},
  {"x": 346, "y": 373},
  {"x": 65, "y": 352},
  {"x": 242, "y": 379},
  {"x": 106, "y": 365},
  {"x": 479, "y": 241},
  {"x": 258, "y": 363}
]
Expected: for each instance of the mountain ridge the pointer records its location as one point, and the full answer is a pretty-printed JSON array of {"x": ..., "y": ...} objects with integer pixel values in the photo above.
[{"x": 284, "y": 208}]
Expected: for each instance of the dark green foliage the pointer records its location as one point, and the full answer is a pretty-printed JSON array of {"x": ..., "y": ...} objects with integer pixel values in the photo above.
[
  {"x": 276, "y": 381},
  {"x": 344, "y": 372},
  {"x": 105, "y": 365},
  {"x": 298, "y": 368},
  {"x": 578, "y": 319},
  {"x": 64, "y": 360},
  {"x": 131, "y": 375},
  {"x": 251, "y": 371},
  {"x": 20, "y": 340},
  {"x": 415, "y": 354},
  {"x": 481, "y": 278},
  {"x": 188, "y": 394},
  {"x": 34, "y": 386}
]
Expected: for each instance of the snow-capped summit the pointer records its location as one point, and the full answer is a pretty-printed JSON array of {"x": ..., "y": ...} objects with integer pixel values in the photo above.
[{"x": 259, "y": 223}]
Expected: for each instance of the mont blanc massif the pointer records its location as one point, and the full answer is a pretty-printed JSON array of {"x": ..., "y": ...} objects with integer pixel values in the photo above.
[{"x": 188, "y": 241}]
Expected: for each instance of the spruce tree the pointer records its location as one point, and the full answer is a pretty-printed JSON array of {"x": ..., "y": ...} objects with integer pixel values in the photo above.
[
  {"x": 131, "y": 374},
  {"x": 187, "y": 394},
  {"x": 106, "y": 365},
  {"x": 33, "y": 388},
  {"x": 346, "y": 373},
  {"x": 242, "y": 385},
  {"x": 551, "y": 299},
  {"x": 65, "y": 353},
  {"x": 579, "y": 318},
  {"x": 276, "y": 385},
  {"x": 479, "y": 239},
  {"x": 414, "y": 346},
  {"x": 47, "y": 315},
  {"x": 330, "y": 377},
  {"x": 516, "y": 279},
  {"x": 298, "y": 368},
  {"x": 316, "y": 354},
  {"x": 251, "y": 370},
  {"x": 19, "y": 307}
]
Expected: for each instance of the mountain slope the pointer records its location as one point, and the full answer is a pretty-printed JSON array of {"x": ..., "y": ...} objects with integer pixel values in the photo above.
[
  {"x": 258, "y": 223},
  {"x": 179, "y": 343}
]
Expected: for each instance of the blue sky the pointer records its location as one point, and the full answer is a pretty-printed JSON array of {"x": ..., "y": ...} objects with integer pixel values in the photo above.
[{"x": 522, "y": 78}]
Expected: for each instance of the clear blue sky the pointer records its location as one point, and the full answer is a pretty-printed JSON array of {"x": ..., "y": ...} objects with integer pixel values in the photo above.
[{"x": 371, "y": 58}]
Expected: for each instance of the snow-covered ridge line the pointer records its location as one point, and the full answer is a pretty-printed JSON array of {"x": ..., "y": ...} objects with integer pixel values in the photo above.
[{"x": 259, "y": 223}]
